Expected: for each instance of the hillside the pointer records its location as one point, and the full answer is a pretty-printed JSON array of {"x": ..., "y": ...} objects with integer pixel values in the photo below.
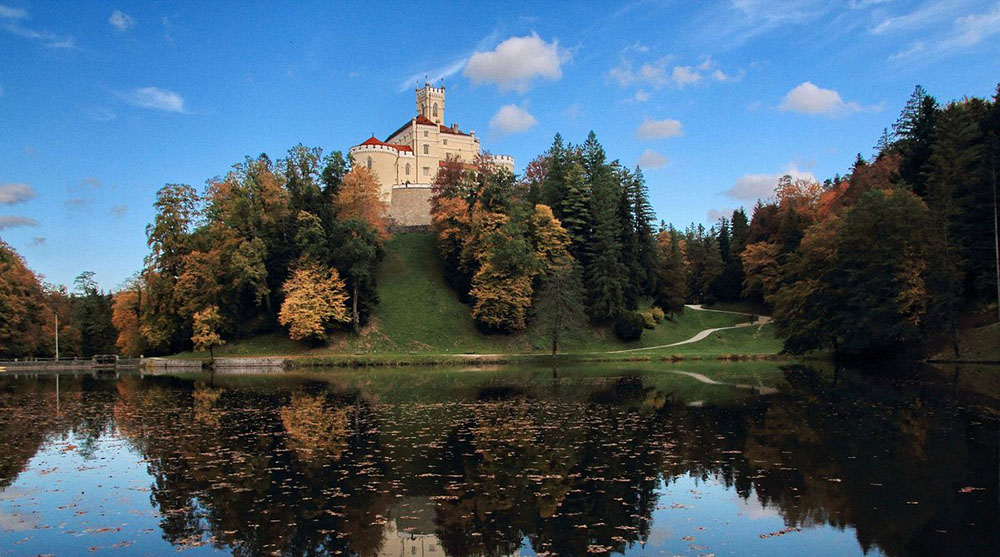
[{"x": 419, "y": 313}]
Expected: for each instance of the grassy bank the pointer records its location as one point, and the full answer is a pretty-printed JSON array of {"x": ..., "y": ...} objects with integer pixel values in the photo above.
[{"x": 420, "y": 320}]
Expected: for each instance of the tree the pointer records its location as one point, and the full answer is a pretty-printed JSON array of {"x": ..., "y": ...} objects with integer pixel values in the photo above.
[
  {"x": 671, "y": 283},
  {"x": 915, "y": 132},
  {"x": 314, "y": 298},
  {"x": 357, "y": 254},
  {"x": 550, "y": 239},
  {"x": 125, "y": 314},
  {"x": 559, "y": 304},
  {"x": 91, "y": 314},
  {"x": 360, "y": 196},
  {"x": 22, "y": 310},
  {"x": 207, "y": 324}
]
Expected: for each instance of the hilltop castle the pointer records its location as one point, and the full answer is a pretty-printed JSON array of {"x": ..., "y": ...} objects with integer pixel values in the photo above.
[{"x": 407, "y": 162}]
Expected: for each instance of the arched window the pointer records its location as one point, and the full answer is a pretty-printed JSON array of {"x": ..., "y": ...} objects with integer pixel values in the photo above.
[
  {"x": 369, "y": 163},
  {"x": 407, "y": 169},
  {"x": 435, "y": 110}
]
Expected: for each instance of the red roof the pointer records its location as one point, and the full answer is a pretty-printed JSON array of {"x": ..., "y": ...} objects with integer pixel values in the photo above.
[
  {"x": 421, "y": 119},
  {"x": 372, "y": 141},
  {"x": 456, "y": 131}
]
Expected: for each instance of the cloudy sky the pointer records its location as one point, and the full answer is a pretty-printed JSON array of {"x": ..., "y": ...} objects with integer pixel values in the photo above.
[{"x": 103, "y": 103}]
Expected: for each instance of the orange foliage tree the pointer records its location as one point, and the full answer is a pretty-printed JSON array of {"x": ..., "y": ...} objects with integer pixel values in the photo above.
[{"x": 360, "y": 197}]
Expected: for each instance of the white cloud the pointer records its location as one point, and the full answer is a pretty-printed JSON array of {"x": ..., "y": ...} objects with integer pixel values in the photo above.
[
  {"x": 159, "y": 99},
  {"x": 119, "y": 210},
  {"x": 76, "y": 203},
  {"x": 12, "y": 222},
  {"x": 120, "y": 20},
  {"x": 10, "y": 22},
  {"x": 926, "y": 15},
  {"x": 13, "y": 192},
  {"x": 660, "y": 129},
  {"x": 751, "y": 187},
  {"x": 516, "y": 62},
  {"x": 807, "y": 98},
  {"x": 685, "y": 75},
  {"x": 640, "y": 96},
  {"x": 432, "y": 76},
  {"x": 651, "y": 159},
  {"x": 512, "y": 119},
  {"x": 6, "y": 12},
  {"x": 966, "y": 31},
  {"x": 37, "y": 241},
  {"x": 970, "y": 30},
  {"x": 658, "y": 73}
]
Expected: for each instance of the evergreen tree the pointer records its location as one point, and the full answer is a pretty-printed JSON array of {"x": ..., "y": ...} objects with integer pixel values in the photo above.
[
  {"x": 915, "y": 131},
  {"x": 559, "y": 304}
]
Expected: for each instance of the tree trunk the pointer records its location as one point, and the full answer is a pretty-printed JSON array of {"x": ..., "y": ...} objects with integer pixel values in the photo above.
[
  {"x": 554, "y": 345},
  {"x": 354, "y": 309}
]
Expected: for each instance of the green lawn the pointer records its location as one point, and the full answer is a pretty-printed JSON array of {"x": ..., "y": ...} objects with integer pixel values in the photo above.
[{"x": 419, "y": 313}]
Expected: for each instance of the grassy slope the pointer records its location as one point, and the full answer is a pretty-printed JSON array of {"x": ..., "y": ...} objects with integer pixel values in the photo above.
[
  {"x": 976, "y": 344},
  {"x": 419, "y": 313}
]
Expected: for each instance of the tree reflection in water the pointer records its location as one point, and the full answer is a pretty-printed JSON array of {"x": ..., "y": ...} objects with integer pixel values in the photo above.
[{"x": 305, "y": 465}]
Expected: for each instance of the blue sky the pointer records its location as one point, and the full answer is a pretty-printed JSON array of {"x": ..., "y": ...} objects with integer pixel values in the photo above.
[{"x": 103, "y": 103}]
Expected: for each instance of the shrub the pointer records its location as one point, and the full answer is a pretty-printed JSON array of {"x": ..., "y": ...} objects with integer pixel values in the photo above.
[
  {"x": 648, "y": 322},
  {"x": 658, "y": 314},
  {"x": 628, "y": 326}
]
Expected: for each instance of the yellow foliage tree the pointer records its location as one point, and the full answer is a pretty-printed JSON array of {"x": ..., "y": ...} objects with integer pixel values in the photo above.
[
  {"x": 314, "y": 297},
  {"x": 360, "y": 196},
  {"x": 206, "y": 325},
  {"x": 551, "y": 239}
]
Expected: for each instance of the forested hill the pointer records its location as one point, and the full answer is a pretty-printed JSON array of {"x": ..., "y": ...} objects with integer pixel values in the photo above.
[{"x": 893, "y": 258}]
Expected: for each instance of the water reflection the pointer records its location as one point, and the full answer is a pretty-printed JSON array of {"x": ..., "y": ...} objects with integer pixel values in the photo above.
[{"x": 593, "y": 460}]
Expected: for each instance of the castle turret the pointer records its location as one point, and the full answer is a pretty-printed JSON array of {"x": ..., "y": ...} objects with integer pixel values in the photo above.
[{"x": 430, "y": 103}]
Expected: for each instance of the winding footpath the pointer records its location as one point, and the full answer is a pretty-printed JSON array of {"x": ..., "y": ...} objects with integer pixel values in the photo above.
[{"x": 761, "y": 321}]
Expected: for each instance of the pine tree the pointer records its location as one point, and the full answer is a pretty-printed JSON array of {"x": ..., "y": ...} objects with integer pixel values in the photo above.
[
  {"x": 915, "y": 132},
  {"x": 575, "y": 211},
  {"x": 559, "y": 304}
]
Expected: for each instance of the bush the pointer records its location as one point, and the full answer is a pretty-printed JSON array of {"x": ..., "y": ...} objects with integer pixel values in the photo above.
[
  {"x": 657, "y": 313},
  {"x": 628, "y": 326},
  {"x": 648, "y": 321}
]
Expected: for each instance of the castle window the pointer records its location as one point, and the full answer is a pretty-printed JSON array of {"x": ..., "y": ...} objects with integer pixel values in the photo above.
[
  {"x": 425, "y": 133},
  {"x": 369, "y": 163},
  {"x": 427, "y": 149},
  {"x": 427, "y": 171},
  {"x": 445, "y": 141},
  {"x": 435, "y": 110},
  {"x": 407, "y": 169}
]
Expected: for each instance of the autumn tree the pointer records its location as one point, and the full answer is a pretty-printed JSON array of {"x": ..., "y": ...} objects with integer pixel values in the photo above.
[
  {"x": 22, "y": 311},
  {"x": 126, "y": 313},
  {"x": 207, "y": 327},
  {"x": 314, "y": 299},
  {"x": 671, "y": 283},
  {"x": 360, "y": 197}
]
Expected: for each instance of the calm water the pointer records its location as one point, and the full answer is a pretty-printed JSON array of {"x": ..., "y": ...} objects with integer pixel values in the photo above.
[{"x": 736, "y": 459}]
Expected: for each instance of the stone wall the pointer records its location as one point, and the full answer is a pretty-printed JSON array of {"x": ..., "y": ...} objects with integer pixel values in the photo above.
[{"x": 410, "y": 206}]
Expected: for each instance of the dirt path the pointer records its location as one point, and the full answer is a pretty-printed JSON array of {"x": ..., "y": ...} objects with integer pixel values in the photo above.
[{"x": 761, "y": 321}]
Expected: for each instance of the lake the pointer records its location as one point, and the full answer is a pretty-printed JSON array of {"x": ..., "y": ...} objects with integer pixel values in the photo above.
[{"x": 689, "y": 458}]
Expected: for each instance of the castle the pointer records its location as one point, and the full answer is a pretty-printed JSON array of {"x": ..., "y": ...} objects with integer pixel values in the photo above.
[{"x": 407, "y": 162}]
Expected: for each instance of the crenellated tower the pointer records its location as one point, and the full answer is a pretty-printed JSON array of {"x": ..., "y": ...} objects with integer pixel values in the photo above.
[{"x": 430, "y": 103}]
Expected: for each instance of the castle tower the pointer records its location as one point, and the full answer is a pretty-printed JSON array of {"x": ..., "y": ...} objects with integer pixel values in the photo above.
[{"x": 430, "y": 103}]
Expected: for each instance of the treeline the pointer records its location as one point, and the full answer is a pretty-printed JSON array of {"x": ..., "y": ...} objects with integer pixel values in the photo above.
[
  {"x": 31, "y": 310},
  {"x": 575, "y": 234},
  {"x": 290, "y": 243},
  {"x": 883, "y": 261}
]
